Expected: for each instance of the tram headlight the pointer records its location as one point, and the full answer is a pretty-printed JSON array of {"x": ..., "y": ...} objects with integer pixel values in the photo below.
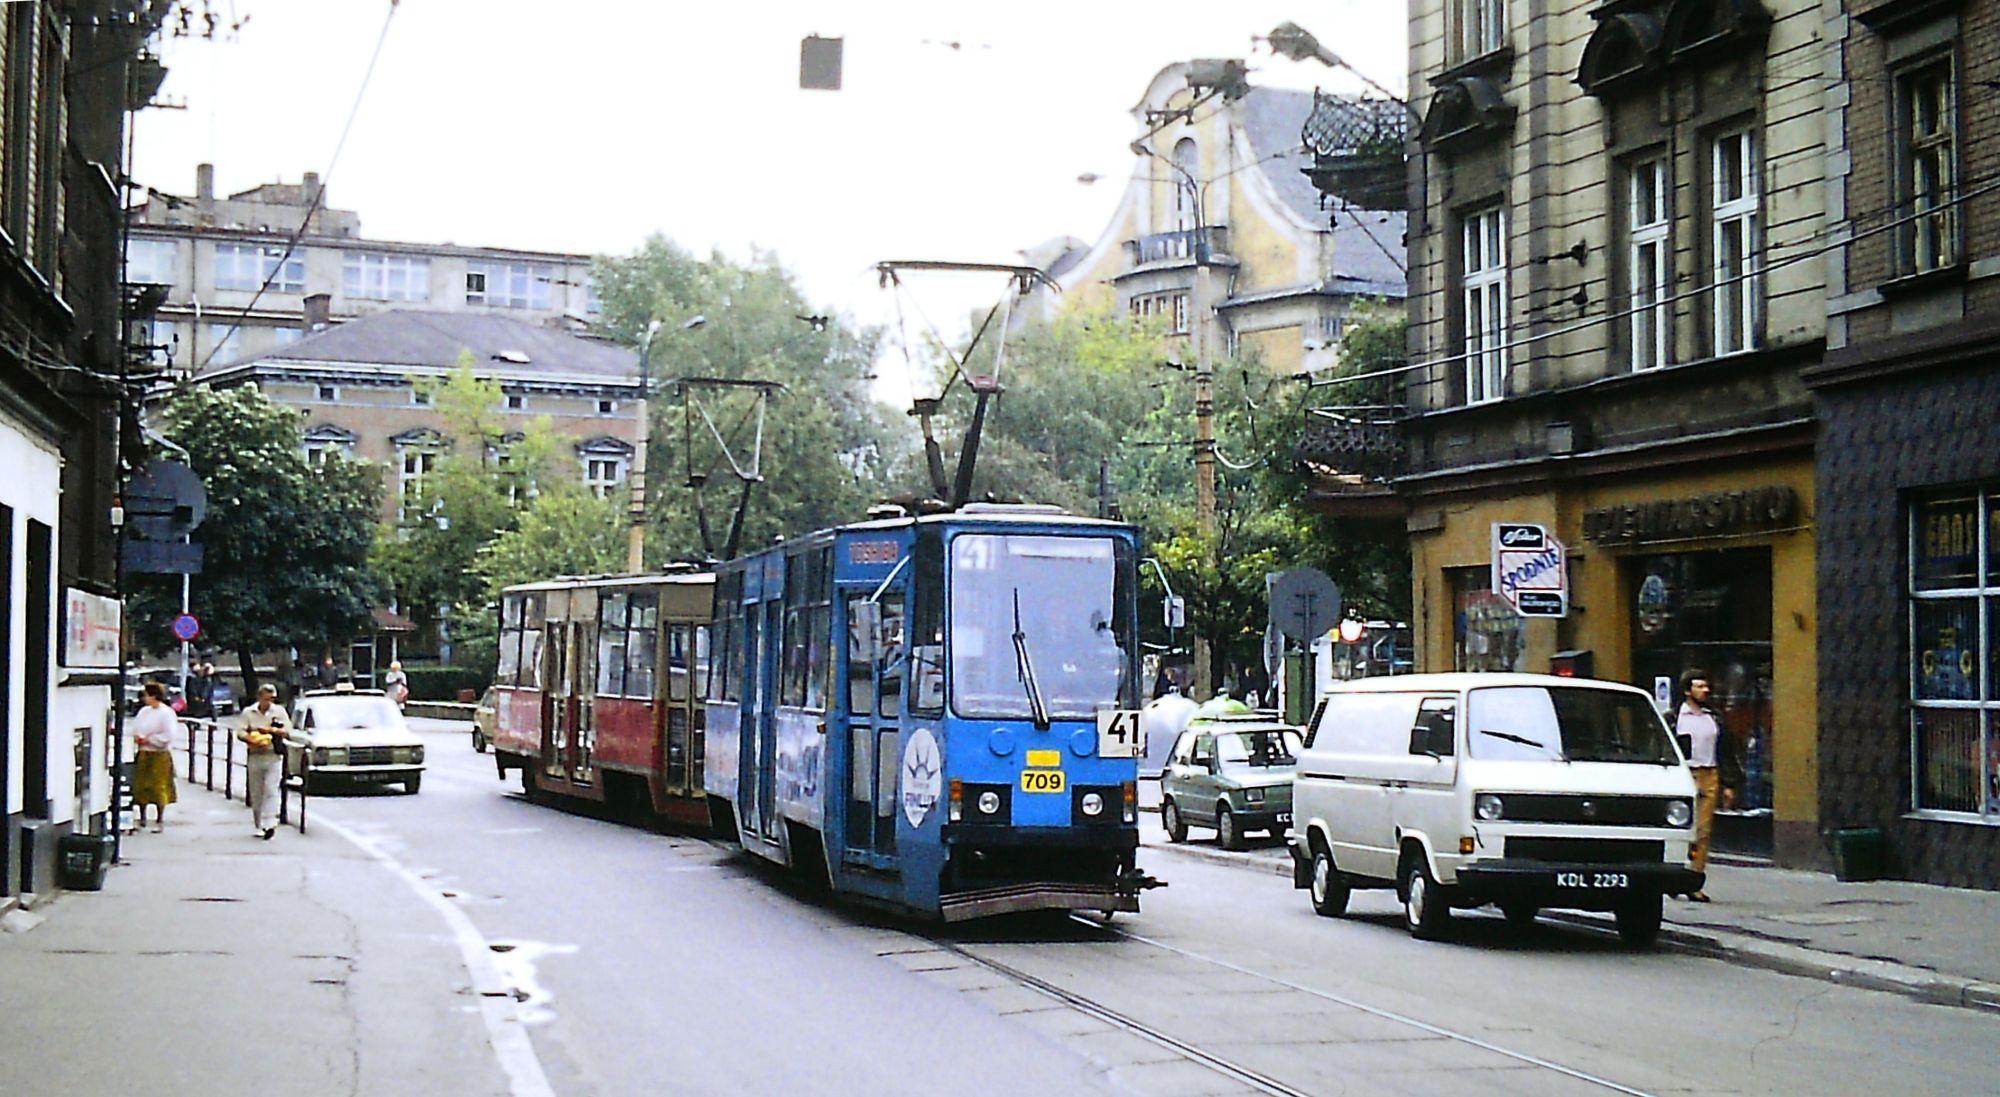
[
  {"x": 1093, "y": 804},
  {"x": 989, "y": 803}
]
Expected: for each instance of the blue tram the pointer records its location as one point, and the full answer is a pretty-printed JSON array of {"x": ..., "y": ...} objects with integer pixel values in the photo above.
[{"x": 936, "y": 714}]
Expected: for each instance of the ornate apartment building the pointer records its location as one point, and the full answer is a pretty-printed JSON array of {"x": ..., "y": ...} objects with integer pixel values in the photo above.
[
  {"x": 1217, "y": 185},
  {"x": 1617, "y": 274},
  {"x": 220, "y": 256}
]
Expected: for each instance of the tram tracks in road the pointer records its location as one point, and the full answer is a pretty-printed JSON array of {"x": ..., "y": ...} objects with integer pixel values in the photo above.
[{"x": 1238, "y": 1072}]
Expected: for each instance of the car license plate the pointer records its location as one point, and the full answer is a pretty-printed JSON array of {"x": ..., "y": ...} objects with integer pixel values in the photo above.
[
  {"x": 1041, "y": 780},
  {"x": 376, "y": 776},
  {"x": 1284, "y": 817},
  {"x": 1593, "y": 880}
]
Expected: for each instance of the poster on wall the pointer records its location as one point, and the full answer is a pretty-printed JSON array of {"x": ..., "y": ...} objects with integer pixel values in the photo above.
[
  {"x": 90, "y": 630},
  {"x": 1530, "y": 569}
]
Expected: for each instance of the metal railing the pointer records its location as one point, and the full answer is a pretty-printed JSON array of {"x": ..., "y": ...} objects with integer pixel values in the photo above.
[{"x": 202, "y": 759}]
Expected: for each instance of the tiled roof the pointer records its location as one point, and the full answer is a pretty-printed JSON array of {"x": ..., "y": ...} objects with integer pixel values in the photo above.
[{"x": 438, "y": 339}]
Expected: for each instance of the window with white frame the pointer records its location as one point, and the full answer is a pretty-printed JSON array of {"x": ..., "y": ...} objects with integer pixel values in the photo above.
[
  {"x": 246, "y": 266},
  {"x": 328, "y": 393},
  {"x": 1955, "y": 653},
  {"x": 414, "y": 467},
  {"x": 510, "y": 285},
  {"x": 1927, "y": 170},
  {"x": 602, "y": 474},
  {"x": 420, "y": 395},
  {"x": 1733, "y": 169},
  {"x": 517, "y": 402},
  {"x": 225, "y": 342},
  {"x": 150, "y": 262},
  {"x": 1482, "y": 27},
  {"x": 607, "y": 407},
  {"x": 1483, "y": 251},
  {"x": 1187, "y": 169},
  {"x": 1648, "y": 258},
  {"x": 378, "y": 277}
]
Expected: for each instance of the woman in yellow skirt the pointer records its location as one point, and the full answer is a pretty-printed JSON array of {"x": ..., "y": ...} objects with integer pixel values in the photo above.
[{"x": 153, "y": 730}]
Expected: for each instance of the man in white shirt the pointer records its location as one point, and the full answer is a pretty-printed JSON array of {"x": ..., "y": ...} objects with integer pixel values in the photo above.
[
  {"x": 1697, "y": 726},
  {"x": 264, "y": 727}
]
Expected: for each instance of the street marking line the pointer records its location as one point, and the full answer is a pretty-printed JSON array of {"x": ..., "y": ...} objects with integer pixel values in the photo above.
[
  {"x": 1376, "y": 1011},
  {"x": 505, "y": 1030}
]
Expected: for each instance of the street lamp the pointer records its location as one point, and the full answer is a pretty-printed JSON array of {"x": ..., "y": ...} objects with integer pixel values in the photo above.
[{"x": 635, "y": 554}]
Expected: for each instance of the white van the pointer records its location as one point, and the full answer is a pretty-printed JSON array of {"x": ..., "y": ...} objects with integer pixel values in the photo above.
[{"x": 1522, "y": 790}]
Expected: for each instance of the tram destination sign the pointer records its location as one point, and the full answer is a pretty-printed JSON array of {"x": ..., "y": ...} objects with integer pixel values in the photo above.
[{"x": 1530, "y": 569}]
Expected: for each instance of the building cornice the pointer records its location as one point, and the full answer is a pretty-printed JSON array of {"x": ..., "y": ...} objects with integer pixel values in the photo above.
[
  {"x": 1965, "y": 345},
  {"x": 392, "y": 374},
  {"x": 1709, "y": 448}
]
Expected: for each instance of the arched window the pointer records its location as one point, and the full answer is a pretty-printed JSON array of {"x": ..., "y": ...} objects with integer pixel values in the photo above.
[{"x": 1187, "y": 169}]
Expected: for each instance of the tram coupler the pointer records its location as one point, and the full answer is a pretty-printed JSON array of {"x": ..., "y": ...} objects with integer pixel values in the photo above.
[{"x": 1132, "y": 881}]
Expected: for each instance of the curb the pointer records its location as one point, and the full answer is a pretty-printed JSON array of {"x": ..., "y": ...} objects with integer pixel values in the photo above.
[{"x": 1921, "y": 984}]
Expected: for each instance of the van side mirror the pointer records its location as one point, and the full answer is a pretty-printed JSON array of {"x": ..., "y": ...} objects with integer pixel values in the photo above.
[{"x": 865, "y": 631}]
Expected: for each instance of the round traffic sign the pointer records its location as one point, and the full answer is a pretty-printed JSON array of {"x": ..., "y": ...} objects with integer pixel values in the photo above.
[
  {"x": 1304, "y": 604},
  {"x": 186, "y": 627}
]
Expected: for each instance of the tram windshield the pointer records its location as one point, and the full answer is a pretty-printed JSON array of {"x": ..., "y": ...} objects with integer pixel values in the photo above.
[{"x": 1060, "y": 596}]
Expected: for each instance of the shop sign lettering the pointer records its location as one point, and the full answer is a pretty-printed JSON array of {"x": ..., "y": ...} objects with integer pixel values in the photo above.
[
  {"x": 1530, "y": 569},
  {"x": 1723, "y": 512}
]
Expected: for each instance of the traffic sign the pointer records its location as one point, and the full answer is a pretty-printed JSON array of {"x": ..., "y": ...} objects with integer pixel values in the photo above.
[
  {"x": 186, "y": 627},
  {"x": 1530, "y": 569},
  {"x": 1304, "y": 604}
]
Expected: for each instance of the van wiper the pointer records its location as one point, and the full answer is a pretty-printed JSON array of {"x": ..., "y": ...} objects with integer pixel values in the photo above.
[
  {"x": 1513, "y": 738},
  {"x": 1024, "y": 666}
]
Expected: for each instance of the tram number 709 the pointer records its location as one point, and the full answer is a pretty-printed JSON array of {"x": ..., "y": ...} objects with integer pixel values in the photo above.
[{"x": 1041, "y": 780}]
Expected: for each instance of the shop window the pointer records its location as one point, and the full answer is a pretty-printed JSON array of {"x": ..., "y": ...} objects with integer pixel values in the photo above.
[
  {"x": 1711, "y": 612},
  {"x": 1487, "y": 634},
  {"x": 1954, "y": 668}
]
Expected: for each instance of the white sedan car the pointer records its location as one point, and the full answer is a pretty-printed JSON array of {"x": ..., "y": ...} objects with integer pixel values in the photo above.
[{"x": 355, "y": 736}]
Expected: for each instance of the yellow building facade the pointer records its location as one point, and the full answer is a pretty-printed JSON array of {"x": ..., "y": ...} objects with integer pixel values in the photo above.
[{"x": 1218, "y": 178}]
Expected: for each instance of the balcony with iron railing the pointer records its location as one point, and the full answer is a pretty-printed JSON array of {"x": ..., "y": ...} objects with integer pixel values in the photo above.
[
  {"x": 1357, "y": 150},
  {"x": 1354, "y": 451},
  {"x": 1209, "y": 244}
]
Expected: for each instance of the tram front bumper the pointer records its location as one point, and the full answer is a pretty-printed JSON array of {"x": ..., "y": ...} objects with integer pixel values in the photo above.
[{"x": 1001, "y": 869}]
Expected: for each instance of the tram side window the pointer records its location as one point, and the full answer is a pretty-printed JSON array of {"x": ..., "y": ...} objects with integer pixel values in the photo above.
[
  {"x": 530, "y": 673},
  {"x": 792, "y": 682},
  {"x": 509, "y": 668},
  {"x": 926, "y": 636},
  {"x": 611, "y": 645},
  {"x": 677, "y": 662},
  {"x": 819, "y": 616},
  {"x": 728, "y": 605},
  {"x": 642, "y": 643},
  {"x": 699, "y": 669}
]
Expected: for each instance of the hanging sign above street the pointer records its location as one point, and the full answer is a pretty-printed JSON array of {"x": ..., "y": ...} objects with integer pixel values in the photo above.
[{"x": 1530, "y": 569}]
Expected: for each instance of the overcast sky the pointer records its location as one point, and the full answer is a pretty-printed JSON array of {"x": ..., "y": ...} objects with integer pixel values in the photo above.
[{"x": 585, "y": 125}]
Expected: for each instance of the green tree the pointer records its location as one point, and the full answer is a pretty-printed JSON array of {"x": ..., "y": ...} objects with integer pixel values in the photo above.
[
  {"x": 285, "y": 542},
  {"x": 826, "y": 440},
  {"x": 564, "y": 532}
]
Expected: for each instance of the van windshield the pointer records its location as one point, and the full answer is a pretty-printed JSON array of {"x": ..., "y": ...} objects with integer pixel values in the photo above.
[
  {"x": 1579, "y": 724},
  {"x": 1263, "y": 749}
]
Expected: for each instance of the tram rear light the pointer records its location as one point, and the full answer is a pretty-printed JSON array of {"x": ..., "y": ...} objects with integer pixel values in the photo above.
[
  {"x": 1131, "y": 801},
  {"x": 957, "y": 799}
]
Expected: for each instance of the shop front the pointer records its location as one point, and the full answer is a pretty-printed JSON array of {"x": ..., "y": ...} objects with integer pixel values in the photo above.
[{"x": 1712, "y": 573}]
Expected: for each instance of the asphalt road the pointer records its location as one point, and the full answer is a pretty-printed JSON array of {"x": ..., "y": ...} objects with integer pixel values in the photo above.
[{"x": 656, "y": 963}]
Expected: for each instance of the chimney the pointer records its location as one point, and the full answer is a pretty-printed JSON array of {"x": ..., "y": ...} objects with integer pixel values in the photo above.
[
  {"x": 204, "y": 182},
  {"x": 319, "y": 312},
  {"x": 310, "y": 190}
]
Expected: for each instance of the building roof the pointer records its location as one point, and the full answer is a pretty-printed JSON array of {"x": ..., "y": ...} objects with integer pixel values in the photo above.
[
  {"x": 1275, "y": 119},
  {"x": 407, "y": 339}
]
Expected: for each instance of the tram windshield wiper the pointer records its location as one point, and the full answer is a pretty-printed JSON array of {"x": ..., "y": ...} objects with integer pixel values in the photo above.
[{"x": 1024, "y": 666}]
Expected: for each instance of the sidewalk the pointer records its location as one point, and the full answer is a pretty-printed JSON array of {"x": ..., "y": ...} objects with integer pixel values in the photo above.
[
  {"x": 214, "y": 962},
  {"x": 1931, "y": 943}
]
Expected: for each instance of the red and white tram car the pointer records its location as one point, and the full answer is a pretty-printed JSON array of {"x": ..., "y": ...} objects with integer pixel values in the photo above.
[{"x": 599, "y": 690}]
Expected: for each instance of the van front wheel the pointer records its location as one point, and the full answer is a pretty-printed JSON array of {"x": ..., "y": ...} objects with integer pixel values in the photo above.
[
  {"x": 1426, "y": 907},
  {"x": 1329, "y": 889}
]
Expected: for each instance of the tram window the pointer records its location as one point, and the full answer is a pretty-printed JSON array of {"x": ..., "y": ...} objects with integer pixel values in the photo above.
[
  {"x": 728, "y": 603},
  {"x": 677, "y": 662},
  {"x": 641, "y": 643},
  {"x": 927, "y": 624},
  {"x": 792, "y": 672},
  {"x": 530, "y": 670},
  {"x": 892, "y": 656},
  {"x": 611, "y": 645},
  {"x": 510, "y": 640},
  {"x": 699, "y": 669}
]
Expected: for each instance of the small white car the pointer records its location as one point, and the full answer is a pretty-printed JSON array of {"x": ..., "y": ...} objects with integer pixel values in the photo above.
[
  {"x": 1521, "y": 790},
  {"x": 355, "y": 736}
]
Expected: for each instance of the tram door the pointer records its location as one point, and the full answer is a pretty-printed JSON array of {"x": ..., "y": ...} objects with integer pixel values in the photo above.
[
  {"x": 555, "y": 688},
  {"x": 874, "y": 729},
  {"x": 760, "y": 698}
]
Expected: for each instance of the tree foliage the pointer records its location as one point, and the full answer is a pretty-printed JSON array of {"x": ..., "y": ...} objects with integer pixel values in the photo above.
[
  {"x": 825, "y": 443},
  {"x": 285, "y": 542}
]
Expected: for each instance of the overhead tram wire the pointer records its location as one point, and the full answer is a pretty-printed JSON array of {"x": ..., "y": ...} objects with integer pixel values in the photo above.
[
  {"x": 318, "y": 196},
  {"x": 1992, "y": 183}
]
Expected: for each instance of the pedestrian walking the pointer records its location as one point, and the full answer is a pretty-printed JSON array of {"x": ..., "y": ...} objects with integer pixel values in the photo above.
[
  {"x": 329, "y": 674},
  {"x": 1700, "y": 736},
  {"x": 396, "y": 684},
  {"x": 201, "y": 692},
  {"x": 264, "y": 725},
  {"x": 153, "y": 730}
]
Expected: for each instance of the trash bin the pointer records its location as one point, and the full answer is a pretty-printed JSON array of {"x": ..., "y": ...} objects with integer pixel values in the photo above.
[
  {"x": 82, "y": 860},
  {"x": 1859, "y": 853}
]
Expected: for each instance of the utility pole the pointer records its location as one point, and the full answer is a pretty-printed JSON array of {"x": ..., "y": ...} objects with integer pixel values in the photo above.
[
  {"x": 635, "y": 552},
  {"x": 1204, "y": 444}
]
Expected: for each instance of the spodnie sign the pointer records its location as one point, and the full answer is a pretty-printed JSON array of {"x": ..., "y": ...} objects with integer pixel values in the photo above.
[{"x": 1530, "y": 569}]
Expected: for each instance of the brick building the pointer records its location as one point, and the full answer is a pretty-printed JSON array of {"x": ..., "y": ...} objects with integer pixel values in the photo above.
[{"x": 1908, "y": 483}]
